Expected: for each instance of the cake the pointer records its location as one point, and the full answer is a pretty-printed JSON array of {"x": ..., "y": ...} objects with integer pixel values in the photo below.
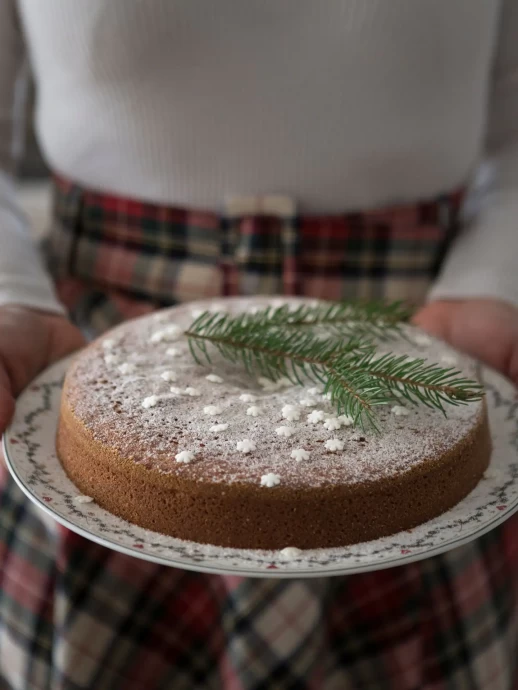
[{"x": 214, "y": 455}]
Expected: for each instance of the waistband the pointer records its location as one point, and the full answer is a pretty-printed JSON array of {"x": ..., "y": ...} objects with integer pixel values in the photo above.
[{"x": 255, "y": 246}]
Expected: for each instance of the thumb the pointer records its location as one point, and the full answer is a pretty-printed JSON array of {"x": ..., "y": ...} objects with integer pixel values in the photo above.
[
  {"x": 65, "y": 339},
  {"x": 30, "y": 341},
  {"x": 6, "y": 400},
  {"x": 485, "y": 329},
  {"x": 436, "y": 318}
]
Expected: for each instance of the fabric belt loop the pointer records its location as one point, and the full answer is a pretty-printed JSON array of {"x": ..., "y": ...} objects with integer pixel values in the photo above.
[
  {"x": 229, "y": 270},
  {"x": 291, "y": 275},
  {"x": 242, "y": 209}
]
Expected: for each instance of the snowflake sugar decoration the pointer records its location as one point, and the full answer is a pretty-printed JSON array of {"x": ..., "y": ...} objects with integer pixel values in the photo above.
[
  {"x": 166, "y": 334},
  {"x": 316, "y": 416},
  {"x": 169, "y": 376},
  {"x": 193, "y": 392},
  {"x": 173, "y": 352},
  {"x": 219, "y": 427},
  {"x": 127, "y": 368},
  {"x": 449, "y": 361},
  {"x": 290, "y": 553},
  {"x": 284, "y": 382},
  {"x": 254, "y": 411},
  {"x": 285, "y": 431},
  {"x": 185, "y": 456},
  {"x": 308, "y": 402},
  {"x": 270, "y": 386},
  {"x": 175, "y": 390},
  {"x": 83, "y": 499},
  {"x": 156, "y": 337},
  {"x": 150, "y": 401},
  {"x": 214, "y": 378},
  {"x": 172, "y": 332},
  {"x": 270, "y": 480},
  {"x": 422, "y": 339},
  {"x": 246, "y": 446},
  {"x": 212, "y": 410},
  {"x": 332, "y": 423},
  {"x": 314, "y": 391},
  {"x": 299, "y": 454},
  {"x": 247, "y": 397},
  {"x": 217, "y": 307},
  {"x": 110, "y": 358},
  {"x": 400, "y": 411},
  {"x": 492, "y": 473},
  {"x": 346, "y": 420},
  {"x": 267, "y": 384},
  {"x": 291, "y": 413},
  {"x": 327, "y": 396},
  {"x": 334, "y": 444}
]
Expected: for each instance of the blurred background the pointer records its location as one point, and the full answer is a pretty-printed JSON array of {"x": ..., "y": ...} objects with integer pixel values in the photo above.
[{"x": 31, "y": 172}]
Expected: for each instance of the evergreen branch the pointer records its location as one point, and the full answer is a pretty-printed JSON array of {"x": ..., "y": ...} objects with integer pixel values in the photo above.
[
  {"x": 347, "y": 318},
  {"x": 420, "y": 380},
  {"x": 356, "y": 380}
]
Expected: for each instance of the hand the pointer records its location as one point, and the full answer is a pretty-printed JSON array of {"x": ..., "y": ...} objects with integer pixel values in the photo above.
[
  {"x": 29, "y": 341},
  {"x": 486, "y": 329}
]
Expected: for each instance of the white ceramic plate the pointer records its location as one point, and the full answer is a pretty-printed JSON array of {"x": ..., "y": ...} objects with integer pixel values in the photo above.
[{"x": 30, "y": 453}]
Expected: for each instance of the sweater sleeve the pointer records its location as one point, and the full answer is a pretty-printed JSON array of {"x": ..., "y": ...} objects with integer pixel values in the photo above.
[
  {"x": 483, "y": 259},
  {"x": 23, "y": 279}
]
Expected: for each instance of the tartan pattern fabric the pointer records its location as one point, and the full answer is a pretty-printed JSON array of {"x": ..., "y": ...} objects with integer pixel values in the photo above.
[
  {"x": 170, "y": 255},
  {"x": 75, "y": 615}
]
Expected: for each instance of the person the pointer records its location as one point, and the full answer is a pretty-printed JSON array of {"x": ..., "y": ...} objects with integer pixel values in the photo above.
[{"x": 342, "y": 149}]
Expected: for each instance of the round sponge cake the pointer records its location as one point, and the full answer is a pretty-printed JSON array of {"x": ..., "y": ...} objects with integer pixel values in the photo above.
[{"x": 210, "y": 454}]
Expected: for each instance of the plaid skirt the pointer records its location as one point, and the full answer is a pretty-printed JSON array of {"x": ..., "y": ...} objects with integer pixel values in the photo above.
[{"x": 76, "y": 615}]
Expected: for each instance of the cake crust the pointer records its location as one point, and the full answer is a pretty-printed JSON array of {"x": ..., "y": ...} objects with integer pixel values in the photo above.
[{"x": 110, "y": 448}]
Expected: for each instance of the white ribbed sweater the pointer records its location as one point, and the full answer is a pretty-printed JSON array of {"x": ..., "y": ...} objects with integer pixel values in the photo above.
[{"x": 341, "y": 104}]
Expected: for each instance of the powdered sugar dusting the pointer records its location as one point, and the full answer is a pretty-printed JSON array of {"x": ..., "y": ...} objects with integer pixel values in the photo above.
[
  {"x": 218, "y": 427},
  {"x": 110, "y": 403}
]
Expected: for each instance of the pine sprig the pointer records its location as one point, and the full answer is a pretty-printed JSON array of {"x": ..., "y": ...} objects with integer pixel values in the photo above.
[
  {"x": 348, "y": 368},
  {"x": 417, "y": 380},
  {"x": 378, "y": 320}
]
